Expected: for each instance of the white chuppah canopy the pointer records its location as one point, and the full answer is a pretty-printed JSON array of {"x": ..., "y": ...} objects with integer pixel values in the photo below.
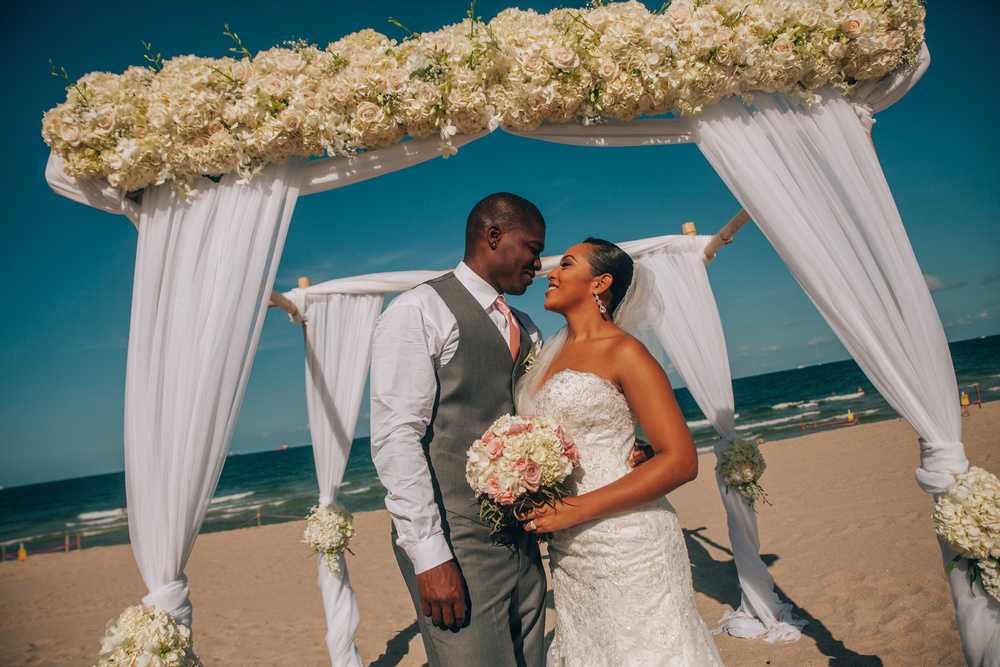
[{"x": 805, "y": 188}]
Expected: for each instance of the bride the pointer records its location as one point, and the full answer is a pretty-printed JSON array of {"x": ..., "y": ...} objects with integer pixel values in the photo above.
[{"x": 620, "y": 569}]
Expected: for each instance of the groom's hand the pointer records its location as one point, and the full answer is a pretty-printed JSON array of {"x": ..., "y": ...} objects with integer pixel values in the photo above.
[{"x": 442, "y": 594}]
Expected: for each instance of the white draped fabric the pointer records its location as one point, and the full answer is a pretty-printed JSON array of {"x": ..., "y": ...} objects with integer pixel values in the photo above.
[
  {"x": 690, "y": 331},
  {"x": 203, "y": 274},
  {"x": 204, "y": 270},
  {"x": 812, "y": 182},
  {"x": 338, "y": 350}
]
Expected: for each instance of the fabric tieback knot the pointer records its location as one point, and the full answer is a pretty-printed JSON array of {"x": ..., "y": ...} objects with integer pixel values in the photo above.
[{"x": 513, "y": 331}]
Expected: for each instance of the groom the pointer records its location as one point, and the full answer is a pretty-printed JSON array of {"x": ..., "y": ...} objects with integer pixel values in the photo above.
[{"x": 445, "y": 358}]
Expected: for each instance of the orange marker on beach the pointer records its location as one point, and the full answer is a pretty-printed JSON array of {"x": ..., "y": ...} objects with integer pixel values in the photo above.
[{"x": 21, "y": 553}]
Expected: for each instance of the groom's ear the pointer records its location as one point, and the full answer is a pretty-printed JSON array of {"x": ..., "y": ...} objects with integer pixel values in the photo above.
[{"x": 493, "y": 234}]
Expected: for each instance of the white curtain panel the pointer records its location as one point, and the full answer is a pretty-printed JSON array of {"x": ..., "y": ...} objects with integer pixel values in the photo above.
[
  {"x": 812, "y": 182},
  {"x": 338, "y": 351},
  {"x": 203, "y": 275},
  {"x": 690, "y": 331}
]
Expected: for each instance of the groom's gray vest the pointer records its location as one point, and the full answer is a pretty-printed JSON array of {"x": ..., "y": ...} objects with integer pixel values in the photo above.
[{"x": 474, "y": 388}]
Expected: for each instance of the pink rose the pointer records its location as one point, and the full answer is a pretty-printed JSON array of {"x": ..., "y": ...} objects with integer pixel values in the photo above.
[
  {"x": 489, "y": 435},
  {"x": 532, "y": 476},
  {"x": 492, "y": 485},
  {"x": 505, "y": 498},
  {"x": 521, "y": 464},
  {"x": 519, "y": 427},
  {"x": 568, "y": 444},
  {"x": 494, "y": 449}
]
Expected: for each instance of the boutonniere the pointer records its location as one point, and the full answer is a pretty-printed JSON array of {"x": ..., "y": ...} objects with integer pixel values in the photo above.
[{"x": 529, "y": 360}]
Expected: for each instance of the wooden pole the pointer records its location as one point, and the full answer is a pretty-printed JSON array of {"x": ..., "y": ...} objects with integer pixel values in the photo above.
[
  {"x": 67, "y": 543},
  {"x": 281, "y": 301},
  {"x": 688, "y": 229},
  {"x": 304, "y": 282},
  {"x": 3, "y": 553},
  {"x": 78, "y": 541},
  {"x": 725, "y": 235},
  {"x": 258, "y": 518}
]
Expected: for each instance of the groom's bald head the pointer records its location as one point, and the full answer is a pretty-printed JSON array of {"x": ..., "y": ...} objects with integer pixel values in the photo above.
[
  {"x": 504, "y": 210},
  {"x": 504, "y": 237}
]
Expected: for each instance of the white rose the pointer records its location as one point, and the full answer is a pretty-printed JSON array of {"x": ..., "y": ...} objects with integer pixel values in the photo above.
[
  {"x": 653, "y": 59},
  {"x": 836, "y": 50},
  {"x": 808, "y": 18},
  {"x": 680, "y": 13},
  {"x": 533, "y": 65},
  {"x": 895, "y": 40},
  {"x": 199, "y": 141},
  {"x": 428, "y": 94},
  {"x": 310, "y": 101},
  {"x": 368, "y": 112},
  {"x": 240, "y": 71},
  {"x": 159, "y": 117},
  {"x": 442, "y": 43},
  {"x": 855, "y": 23},
  {"x": 395, "y": 80},
  {"x": 783, "y": 48},
  {"x": 287, "y": 146},
  {"x": 215, "y": 127},
  {"x": 564, "y": 58},
  {"x": 598, "y": 19},
  {"x": 361, "y": 59},
  {"x": 106, "y": 118},
  {"x": 290, "y": 120},
  {"x": 70, "y": 133},
  {"x": 272, "y": 85},
  {"x": 608, "y": 68},
  {"x": 290, "y": 63},
  {"x": 340, "y": 91}
]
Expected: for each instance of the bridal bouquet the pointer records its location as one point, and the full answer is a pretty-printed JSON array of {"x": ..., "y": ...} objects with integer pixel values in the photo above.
[
  {"x": 967, "y": 517},
  {"x": 145, "y": 635},
  {"x": 741, "y": 464},
  {"x": 329, "y": 531},
  {"x": 519, "y": 461}
]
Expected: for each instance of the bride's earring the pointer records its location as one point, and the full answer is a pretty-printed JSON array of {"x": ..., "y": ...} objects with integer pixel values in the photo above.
[{"x": 600, "y": 305}]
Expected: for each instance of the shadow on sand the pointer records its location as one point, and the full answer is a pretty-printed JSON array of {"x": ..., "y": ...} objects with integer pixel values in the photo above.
[
  {"x": 397, "y": 647},
  {"x": 718, "y": 579}
]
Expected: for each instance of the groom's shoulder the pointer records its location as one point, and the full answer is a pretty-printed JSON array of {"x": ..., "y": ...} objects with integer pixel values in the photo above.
[{"x": 419, "y": 296}]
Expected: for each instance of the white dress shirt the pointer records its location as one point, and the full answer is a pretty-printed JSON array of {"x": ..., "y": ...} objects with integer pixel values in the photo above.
[{"x": 416, "y": 335}]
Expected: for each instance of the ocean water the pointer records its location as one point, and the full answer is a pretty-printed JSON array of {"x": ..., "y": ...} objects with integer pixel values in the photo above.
[{"x": 281, "y": 485}]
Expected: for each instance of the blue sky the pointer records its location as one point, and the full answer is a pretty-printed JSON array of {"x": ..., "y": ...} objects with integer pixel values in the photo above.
[{"x": 68, "y": 268}]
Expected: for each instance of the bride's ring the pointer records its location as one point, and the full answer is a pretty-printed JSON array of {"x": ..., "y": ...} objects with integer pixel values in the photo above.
[{"x": 531, "y": 524}]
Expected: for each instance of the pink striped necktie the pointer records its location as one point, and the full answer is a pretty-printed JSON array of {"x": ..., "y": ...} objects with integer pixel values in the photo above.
[{"x": 512, "y": 329}]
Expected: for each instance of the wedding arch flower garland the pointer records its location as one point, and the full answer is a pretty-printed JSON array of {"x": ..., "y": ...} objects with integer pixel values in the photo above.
[{"x": 191, "y": 116}]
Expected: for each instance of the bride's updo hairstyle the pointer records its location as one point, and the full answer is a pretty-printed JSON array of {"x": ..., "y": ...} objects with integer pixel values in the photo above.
[{"x": 606, "y": 257}]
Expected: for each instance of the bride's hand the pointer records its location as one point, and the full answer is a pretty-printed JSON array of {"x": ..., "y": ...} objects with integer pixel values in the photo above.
[{"x": 548, "y": 518}]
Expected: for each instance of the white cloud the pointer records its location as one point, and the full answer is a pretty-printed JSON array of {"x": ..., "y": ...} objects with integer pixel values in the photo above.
[
  {"x": 934, "y": 283},
  {"x": 969, "y": 319},
  {"x": 771, "y": 349},
  {"x": 820, "y": 340}
]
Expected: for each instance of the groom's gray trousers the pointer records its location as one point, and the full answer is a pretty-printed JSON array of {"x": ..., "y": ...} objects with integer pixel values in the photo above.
[
  {"x": 506, "y": 599},
  {"x": 506, "y": 585}
]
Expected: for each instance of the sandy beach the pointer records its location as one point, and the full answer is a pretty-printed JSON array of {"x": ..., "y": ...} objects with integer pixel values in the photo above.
[{"x": 849, "y": 540}]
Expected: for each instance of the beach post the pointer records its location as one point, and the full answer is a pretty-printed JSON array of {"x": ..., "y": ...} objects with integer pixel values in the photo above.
[
  {"x": 21, "y": 553},
  {"x": 3, "y": 553},
  {"x": 78, "y": 541},
  {"x": 687, "y": 229},
  {"x": 67, "y": 543},
  {"x": 258, "y": 518}
]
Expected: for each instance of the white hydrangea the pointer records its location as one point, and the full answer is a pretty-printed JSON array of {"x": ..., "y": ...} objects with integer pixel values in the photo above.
[
  {"x": 146, "y": 635},
  {"x": 213, "y": 116},
  {"x": 329, "y": 529}
]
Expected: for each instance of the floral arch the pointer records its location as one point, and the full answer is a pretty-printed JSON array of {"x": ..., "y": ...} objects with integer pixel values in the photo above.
[{"x": 778, "y": 95}]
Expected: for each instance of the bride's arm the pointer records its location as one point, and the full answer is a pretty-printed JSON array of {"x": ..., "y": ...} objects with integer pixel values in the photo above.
[{"x": 676, "y": 462}]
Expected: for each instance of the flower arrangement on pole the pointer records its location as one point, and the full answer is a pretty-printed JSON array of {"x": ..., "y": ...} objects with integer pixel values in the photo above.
[
  {"x": 741, "y": 465},
  {"x": 329, "y": 530},
  {"x": 146, "y": 635},
  {"x": 967, "y": 518}
]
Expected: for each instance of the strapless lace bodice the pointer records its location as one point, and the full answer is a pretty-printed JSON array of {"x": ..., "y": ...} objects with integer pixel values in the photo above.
[
  {"x": 622, "y": 583},
  {"x": 596, "y": 414}
]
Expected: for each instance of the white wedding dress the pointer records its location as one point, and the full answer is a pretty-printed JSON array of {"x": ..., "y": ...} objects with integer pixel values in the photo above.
[{"x": 623, "y": 592}]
